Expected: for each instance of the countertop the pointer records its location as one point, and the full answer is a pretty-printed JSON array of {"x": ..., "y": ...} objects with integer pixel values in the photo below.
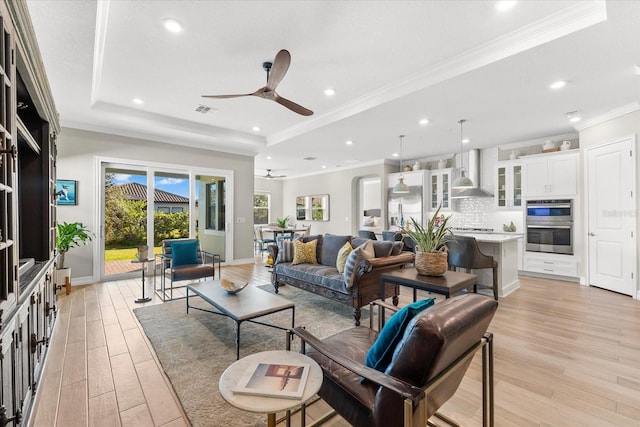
[{"x": 490, "y": 237}]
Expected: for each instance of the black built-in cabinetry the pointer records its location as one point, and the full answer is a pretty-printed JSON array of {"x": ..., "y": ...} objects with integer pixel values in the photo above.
[{"x": 28, "y": 128}]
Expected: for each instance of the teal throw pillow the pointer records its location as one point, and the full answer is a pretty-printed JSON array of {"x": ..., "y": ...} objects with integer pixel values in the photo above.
[
  {"x": 184, "y": 253},
  {"x": 380, "y": 354}
]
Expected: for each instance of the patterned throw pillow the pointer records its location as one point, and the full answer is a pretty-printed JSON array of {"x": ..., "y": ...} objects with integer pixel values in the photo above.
[
  {"x": 343, "y": 254},
  {"x": 304, "y": 252},
  {"x": 285, "y": 251},
  {"x": 350, "y": 266}
]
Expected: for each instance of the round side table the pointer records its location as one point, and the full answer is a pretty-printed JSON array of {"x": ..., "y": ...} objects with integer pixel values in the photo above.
[
  {"x": 144, "y": 267},
  {"x": 269, "y": 405}
]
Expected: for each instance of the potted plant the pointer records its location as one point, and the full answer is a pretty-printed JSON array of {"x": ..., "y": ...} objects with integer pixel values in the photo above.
[
  {"x": 431, "y": 253},
  {"x": 69, "y": 235},
  {"x": 282, "y": 222}
]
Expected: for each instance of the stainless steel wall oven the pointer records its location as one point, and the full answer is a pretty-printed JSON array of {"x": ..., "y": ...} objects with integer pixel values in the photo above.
[{"x": 550, "y": 226}]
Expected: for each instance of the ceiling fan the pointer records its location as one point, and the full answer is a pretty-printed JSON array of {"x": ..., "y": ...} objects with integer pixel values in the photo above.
[
  {"x": 275, "y": 73},
  {"x": 269, "y": 176}
]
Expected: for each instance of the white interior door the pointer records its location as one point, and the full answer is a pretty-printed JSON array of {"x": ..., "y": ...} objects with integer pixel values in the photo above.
[{"x": 611, "y": 224}]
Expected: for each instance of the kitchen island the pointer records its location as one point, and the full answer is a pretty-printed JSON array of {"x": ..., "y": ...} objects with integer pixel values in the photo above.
[{"x": 503, "y": 247}]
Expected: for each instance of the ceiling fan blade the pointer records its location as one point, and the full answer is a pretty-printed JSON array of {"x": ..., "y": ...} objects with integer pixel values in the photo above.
[
  {"x": 296, "y": 108},
  {"x": 226, "y": 96},
  {"x": 278, "y": 69}
]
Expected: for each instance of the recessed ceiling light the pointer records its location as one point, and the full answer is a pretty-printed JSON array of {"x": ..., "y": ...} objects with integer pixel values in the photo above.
[
  {"x": 329, "y": 92},
  {"x": 256, "y": 129},
  {"x": 268, "y": 157},
  {"x": 395, "y": 154},
  {"x": 172, "y": 25},
  {"x": 349, "y": 142},
  {"x": 424, "y": 122},
  {"x": 636, "y": 70},
  {"x": 138, "y": 101},
  {"x": 559, "y": 84},
  {"x": 504, "y": 5},
  {"x": 324, "y": 166},
  {"x": 465, "y": 140}
]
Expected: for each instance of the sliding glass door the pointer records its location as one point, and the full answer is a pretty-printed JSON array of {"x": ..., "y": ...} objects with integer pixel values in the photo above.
[
  {"x": 124, "y": 218},
  {"x": 145, "y": 204}
]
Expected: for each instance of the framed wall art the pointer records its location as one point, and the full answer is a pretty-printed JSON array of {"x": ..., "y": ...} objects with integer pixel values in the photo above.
[{"x": 66, "y": 192}]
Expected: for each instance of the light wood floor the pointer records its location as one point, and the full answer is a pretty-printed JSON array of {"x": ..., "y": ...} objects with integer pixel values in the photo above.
[{"x": 565, "y": 355}]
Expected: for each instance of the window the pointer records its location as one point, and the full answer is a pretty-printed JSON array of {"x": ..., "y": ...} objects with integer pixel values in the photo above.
[
  {"x": 261, "y": 208},
  {"x": 177, "y": 209},
  {"x": 162, "y": 210},
  {"x": 215, "y": 205}
]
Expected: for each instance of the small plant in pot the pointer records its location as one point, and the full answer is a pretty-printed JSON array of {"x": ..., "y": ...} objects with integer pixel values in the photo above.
[
  {"x": 69, "y": 235},
  {"x": 282, "y": 222},
  {"x": 431, "y": 251}
]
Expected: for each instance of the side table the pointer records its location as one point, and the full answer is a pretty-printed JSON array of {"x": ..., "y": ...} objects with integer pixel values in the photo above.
[
  {"x": 269, "y": 405},
  {"x": 144, "y": 267}
]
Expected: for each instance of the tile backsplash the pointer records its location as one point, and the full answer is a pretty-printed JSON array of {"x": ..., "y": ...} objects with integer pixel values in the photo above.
[{"x": 480, "y": 212}]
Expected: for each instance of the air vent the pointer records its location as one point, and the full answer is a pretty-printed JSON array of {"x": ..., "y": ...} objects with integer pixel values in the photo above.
[
  {"x": 203, "y": 109},
  {"x": 308, "y": 158}
]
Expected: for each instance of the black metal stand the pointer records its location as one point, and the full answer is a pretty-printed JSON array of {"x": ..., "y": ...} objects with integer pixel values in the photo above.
[{"x": 144, "y": 264}]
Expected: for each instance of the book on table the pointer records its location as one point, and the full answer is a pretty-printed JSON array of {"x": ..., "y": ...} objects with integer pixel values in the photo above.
[{"x": 274, "y": 380}]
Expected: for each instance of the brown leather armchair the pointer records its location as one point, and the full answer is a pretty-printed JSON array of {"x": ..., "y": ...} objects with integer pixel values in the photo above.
[
  {"x": 427, "y": 366},
  {"x": 203, "y": 269}
]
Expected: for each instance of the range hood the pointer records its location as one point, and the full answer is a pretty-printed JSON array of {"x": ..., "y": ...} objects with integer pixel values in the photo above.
[{"x": 473, "y": 172}]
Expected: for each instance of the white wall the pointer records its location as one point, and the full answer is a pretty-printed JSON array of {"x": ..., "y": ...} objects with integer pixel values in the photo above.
[
  {"x": 342, "y": 188},
  {"x": 77, "y": 152},
  {"x": 623, "y": 126}
]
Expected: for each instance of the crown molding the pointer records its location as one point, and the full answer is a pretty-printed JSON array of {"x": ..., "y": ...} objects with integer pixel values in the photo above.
[
  {"x": 562, "y": 23},
  {"x": 613, "y": 114}
]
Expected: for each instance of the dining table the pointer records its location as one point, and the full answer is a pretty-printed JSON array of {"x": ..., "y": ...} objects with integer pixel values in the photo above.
[{"x": 284, "y": 233}]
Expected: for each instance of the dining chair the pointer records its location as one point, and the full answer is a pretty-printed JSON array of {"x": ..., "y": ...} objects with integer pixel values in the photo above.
[
  {"x": 259, "y": 241},
  {"x": 464, "y": 253},
  {"x": 367, "y": 234}
]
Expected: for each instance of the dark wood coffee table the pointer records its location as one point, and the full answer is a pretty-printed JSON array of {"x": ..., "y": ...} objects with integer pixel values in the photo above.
[{"x": 451, "y": 283}]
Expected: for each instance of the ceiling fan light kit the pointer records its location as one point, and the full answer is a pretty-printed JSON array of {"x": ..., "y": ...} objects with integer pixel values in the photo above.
[
  {"x": 276, "y": 70},
  {"x": 269, "y": 176}
]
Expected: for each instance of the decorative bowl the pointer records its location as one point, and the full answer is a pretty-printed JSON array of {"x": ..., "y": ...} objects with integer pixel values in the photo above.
[{"x": 232, "y": 288}]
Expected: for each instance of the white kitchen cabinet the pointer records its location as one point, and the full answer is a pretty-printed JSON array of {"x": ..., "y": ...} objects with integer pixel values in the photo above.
[
  {"x": 520, "y": 253},
  {"x": 508, "y": 192},
  {"x": 551, "y": 175},
  {"x": 439, "y": 189},
  {"x": 555, "y": 264}
]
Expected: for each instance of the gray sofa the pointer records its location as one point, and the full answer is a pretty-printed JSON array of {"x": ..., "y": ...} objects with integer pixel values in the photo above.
[{"x": 325, "y": 280}]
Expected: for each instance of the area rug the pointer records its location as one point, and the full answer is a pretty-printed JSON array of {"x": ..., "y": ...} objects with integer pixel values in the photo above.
[{"x": 194, "y": 349}]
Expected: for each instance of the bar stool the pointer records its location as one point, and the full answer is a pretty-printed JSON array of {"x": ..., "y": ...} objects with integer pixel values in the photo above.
[
  {"x": 393, "y": 236},
  {"x": 463, "y": 252}
]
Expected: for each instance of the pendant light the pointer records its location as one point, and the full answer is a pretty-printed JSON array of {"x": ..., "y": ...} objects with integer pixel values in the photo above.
[
  {"x": 401, "y": 187},
  {"x": 462, "y": 181}
]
